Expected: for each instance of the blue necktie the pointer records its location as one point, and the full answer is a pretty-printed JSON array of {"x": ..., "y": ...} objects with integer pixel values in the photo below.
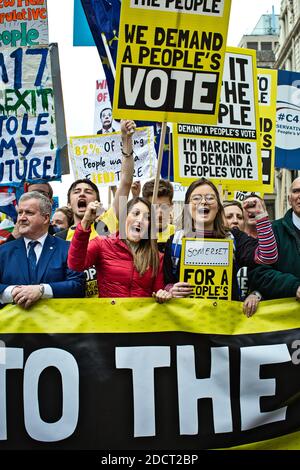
[{"x": 32, "y": 261}]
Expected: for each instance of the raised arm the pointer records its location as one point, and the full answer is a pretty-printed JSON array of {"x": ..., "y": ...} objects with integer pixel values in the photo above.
[
  {"x": 80, "y": 257},
  {"x": 127, "y": 168},
  {"x": 266, "y": 251}
]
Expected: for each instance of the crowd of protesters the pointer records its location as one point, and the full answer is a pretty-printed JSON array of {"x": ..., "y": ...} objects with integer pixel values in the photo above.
[{"x": 133, "y": 249}]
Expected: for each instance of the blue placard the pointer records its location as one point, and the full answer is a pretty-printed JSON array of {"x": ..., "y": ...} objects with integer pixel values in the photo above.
[{"x": 287, "y": 153}]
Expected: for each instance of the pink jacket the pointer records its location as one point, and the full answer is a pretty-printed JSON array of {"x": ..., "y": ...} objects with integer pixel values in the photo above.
[{"x": 116, "y": 274}]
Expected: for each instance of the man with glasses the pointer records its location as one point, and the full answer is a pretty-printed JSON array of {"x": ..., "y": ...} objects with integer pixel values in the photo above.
[{"x": 282, "y": 279}]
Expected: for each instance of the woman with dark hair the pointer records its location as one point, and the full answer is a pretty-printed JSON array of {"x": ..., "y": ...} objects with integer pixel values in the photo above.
[
  {"x": 203, "y": 217},
  {"x": 128, "y": 263}
]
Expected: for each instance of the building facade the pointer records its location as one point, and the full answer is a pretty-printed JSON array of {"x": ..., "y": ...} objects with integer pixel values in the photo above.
[
  {"x": 287, "y": 56},
  {"x": 263, "y": 39}
]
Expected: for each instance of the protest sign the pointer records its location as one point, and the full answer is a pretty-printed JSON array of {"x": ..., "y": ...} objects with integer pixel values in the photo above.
[
  {"x": 170, "y": 60},
  {"x": 28, "y": 141},
  {"x": 229, "y": 153},
  {"x": 179, "y": 192},
  {"x": 99, "y": 157},
  {"x": 23, "y": 23},
  {"x": 207, "y": 266},
  {"x": 288, "y": 121},
  {"x": 267, "y": 93},
  {"x": 103, "y": 120},
  {"x": 241, "y": 195},
  {"x": 189, "y": 374},
  {"x": 60, "y": 123}
]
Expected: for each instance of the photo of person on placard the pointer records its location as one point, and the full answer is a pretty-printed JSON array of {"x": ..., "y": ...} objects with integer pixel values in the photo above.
[{"x": 107, "y": 121}]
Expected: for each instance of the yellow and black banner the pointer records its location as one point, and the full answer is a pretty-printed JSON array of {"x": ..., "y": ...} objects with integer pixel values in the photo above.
[
  {"x": 267, "y": 98},
  {"x": 170, "y": 60},
  {"x": 132, "y": 374},
  {"x": 228, "y": 153}
]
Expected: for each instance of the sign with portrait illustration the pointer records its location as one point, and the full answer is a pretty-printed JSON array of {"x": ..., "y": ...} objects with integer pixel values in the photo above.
[
  {"x": 99, "y": 157},
  {"x": 228, "y": 153},
  {"x": 170, "y": 60},
  {"x": 103, "y": 119},
  {"x": 206, "y": 264}
]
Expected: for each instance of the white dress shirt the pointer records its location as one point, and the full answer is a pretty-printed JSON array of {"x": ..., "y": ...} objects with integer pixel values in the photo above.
[
  {"x": 296, "y": 220},
  {"x": 6, "y": 296}
]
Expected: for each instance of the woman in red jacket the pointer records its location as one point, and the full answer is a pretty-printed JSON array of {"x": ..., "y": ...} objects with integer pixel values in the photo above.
[{"x": 130, "y": 266}]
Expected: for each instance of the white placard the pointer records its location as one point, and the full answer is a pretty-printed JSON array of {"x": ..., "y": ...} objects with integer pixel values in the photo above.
[{"x": 206, "y": 253}]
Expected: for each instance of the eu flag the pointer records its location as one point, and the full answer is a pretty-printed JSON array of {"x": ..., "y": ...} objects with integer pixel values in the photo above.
[{"x": 103, "y": 16}]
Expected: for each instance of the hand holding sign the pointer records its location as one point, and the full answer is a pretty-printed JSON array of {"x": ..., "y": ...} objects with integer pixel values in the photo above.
[
  {"x": 250, "y": 305},
  {"x": 128, "y": 127},
  {"x": 181, "y": 290},
  {"x": 162, "y": 296}
]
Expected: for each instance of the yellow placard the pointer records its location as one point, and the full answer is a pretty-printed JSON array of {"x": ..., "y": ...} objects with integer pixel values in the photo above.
[
  {"x": 206, "y": 264},
  {"x": 229, "y": 153},
  {"x": 170, "y": 60},
  {"x": 267, "y": 97},
  {"x": 240, "y": 195}
]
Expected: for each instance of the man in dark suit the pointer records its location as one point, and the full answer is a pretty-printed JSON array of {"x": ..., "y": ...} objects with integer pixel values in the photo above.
[{"x": 35, "y": 265}]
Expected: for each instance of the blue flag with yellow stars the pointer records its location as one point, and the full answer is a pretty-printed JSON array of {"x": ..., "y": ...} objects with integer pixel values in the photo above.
[{"x": 103, "y": 16}]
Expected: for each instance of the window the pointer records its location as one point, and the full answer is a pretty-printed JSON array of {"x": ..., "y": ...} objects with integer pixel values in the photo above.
[
  {"x": 266, "y": 46},
  {"x": 252, "y": 45}
]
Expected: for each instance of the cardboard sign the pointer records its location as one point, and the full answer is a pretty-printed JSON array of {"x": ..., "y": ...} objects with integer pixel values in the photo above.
[
  {"x": 170, "y": 60},
  {"x": 206, "y": 264},
  {"x": 23, "y": 23},
  {"x": 241, "y": 195},
  {"x": 28, "y": 138},
  {"x": 267, "y": 95},
  {"x": 229, "y": 153},
  {"x": 99, "y": 157}
]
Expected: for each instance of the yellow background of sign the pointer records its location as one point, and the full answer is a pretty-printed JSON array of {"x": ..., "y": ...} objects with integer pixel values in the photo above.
[
  {"x": 270, "y": 113},
  {"x": 218, "y": 270},
  {"x": 236, "y": 195},
  {"x": 167, "y": 19},
  {"x": 144, "y": 315},
  {"x": 227, "y": 184}
]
